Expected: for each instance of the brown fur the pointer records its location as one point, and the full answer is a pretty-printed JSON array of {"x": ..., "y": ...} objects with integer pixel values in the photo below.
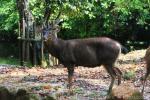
[
  {"x": 88, "y": 52},
  {"x": 147, "y": 60}
]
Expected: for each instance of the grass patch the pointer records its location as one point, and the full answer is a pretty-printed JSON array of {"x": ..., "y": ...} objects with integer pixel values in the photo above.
[
  {"x": 13, "y": 61},
  {"x": 9, "y": 61},
  {"x": 129, "y": 75}
]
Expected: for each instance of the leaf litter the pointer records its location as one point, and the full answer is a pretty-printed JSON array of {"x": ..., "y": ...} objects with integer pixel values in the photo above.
[{"x": 89, "y": 83}]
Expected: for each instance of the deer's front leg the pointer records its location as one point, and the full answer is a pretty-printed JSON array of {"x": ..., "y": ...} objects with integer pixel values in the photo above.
[{"x": 70, "y": 76}]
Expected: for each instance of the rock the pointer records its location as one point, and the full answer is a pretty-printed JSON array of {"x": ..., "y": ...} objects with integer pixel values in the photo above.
[
  {"x": 125, "y": 91},
  {"x": 21, "y": 94},
  {"x": 5, "y": 94}
]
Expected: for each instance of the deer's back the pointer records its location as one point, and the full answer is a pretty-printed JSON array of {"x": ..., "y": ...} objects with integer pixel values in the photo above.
[{"x": 90, "y": 52}]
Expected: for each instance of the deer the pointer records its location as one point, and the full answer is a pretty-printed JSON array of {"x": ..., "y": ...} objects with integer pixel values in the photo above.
[
  {"x": 147, "y": 61},
  {"x": 87, "y": 52}
]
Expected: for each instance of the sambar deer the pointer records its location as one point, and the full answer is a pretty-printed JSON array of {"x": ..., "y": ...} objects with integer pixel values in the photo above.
[
  {"x": 88, "y": 52},
  {"x": 147, "y": 60}
]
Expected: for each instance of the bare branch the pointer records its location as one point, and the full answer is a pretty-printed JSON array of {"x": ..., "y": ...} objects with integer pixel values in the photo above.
[
  {"x": 57, "y": 20},
  {"x": 47, "y": 11}
]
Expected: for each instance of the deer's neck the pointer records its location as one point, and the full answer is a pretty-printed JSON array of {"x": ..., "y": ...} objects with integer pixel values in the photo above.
[{"x": 55, "y": 46}]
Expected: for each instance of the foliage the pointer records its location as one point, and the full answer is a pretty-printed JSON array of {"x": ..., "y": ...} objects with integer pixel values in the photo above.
[
  {"x": 9, "y": 61},
  {"x": 86, "y": 18},
  {"x": 8, "y": 15}
]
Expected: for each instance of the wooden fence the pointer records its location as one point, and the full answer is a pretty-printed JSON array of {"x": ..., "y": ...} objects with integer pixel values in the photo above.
[{"x": 30, "y": 40}]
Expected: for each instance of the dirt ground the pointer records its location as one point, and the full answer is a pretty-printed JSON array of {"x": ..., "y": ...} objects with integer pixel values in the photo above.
[{"x": 89, "y": 83}]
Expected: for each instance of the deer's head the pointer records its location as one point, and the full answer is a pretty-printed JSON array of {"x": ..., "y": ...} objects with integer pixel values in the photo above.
[{"x": 50, "y": 30}]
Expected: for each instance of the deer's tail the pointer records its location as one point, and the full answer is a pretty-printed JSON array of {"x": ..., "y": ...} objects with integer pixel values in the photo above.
[{"x": 124, "y": 50}]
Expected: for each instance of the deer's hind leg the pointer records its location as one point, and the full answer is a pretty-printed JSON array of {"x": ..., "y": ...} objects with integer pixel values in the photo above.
[
  {"x": 119, "y": 74},
  {"x": 146, "y": 75}
]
